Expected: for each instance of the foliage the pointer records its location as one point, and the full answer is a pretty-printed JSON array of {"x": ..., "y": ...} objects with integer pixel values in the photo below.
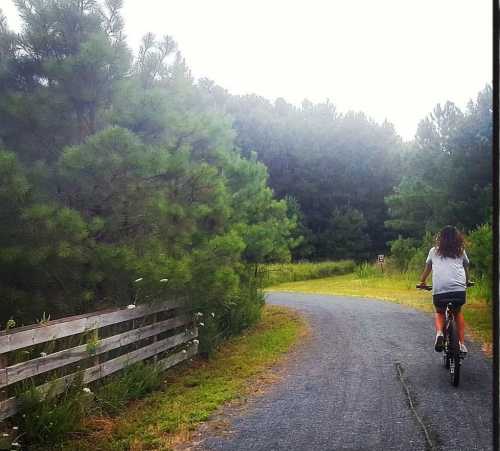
[
  {"x": 447, "y": 176},
  {"x": 346, "y": 235},
  {"x": 46, "y": 419},
  {"x": 134, "y": 382},
  {"x": 366, "y": 270},
  {"x": 408, "y": 254},
  {"x": 116, "y": 168},
  {"x": 59, "y": 74},
  {"x": 402, "y": 251},
  {"x": 417, "y": 262},
  {"x": 480, "y": 251},
  {"x": 337, "y": 167},
  {"x": 281, "y": 273}
]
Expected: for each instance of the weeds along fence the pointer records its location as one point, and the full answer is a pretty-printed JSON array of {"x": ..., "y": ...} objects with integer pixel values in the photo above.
[{"x": 90, "y": 347}]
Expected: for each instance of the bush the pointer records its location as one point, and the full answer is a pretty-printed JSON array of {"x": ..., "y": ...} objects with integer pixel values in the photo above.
[
  {"x": 480, "y": 252},
  {"x": 417, "y": 262},
  {"x": 233, "y": 316},
  {"x": 402, "y": 251},
  {"x": 409, "y": 254}
]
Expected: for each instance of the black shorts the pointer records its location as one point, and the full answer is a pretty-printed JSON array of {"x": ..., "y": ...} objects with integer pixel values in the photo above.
[{"x": 441, "y": 300}]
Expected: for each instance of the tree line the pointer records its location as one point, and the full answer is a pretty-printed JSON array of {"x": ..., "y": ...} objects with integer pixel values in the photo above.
[{"x": 354, "y": 184}]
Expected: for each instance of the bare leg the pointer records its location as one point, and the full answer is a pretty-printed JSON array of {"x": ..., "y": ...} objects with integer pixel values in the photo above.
[
  {"x": 439, "y": 321},
  {"x": 459, "y": 317}
]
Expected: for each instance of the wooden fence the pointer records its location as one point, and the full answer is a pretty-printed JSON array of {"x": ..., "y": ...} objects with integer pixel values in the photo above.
[{"x": 92, "y": 346}]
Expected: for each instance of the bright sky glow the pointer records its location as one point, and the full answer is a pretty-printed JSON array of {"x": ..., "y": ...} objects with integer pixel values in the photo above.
[{"x": 393, "y": 59}]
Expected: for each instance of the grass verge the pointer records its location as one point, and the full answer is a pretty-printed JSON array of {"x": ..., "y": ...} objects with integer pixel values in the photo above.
[
  {"x": 400, "y": 288},
  {"x": 192, "y": 392},
  {"x": 292, "y": 272}
]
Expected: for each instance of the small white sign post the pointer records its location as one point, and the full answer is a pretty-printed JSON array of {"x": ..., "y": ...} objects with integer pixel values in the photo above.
[{"x": 380, "y": 260}]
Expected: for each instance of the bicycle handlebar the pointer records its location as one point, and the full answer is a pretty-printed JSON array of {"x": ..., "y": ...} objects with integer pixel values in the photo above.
[
  {"x": 429, "y": 287},
  {"x": 424, "y": 287}
]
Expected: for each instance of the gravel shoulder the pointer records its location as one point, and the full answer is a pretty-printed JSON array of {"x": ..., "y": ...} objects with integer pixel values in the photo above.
[{"x": 366, "y": 379}]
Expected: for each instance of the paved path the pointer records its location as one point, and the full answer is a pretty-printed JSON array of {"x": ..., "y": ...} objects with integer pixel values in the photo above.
[{"x": 344, "y": 391}]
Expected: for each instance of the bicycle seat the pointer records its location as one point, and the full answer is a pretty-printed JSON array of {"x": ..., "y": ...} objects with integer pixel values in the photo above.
[{"x": 453, "y": 304}]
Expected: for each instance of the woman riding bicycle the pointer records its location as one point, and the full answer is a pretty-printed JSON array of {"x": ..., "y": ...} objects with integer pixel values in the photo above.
[{"x": 449, "y": 265}]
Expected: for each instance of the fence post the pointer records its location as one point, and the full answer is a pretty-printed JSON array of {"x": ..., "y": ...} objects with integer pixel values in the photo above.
[
  {"x": 155, "y": 338},
  {"x": 3, "y": 365}
]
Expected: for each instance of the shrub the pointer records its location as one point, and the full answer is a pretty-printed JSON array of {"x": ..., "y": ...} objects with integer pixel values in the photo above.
[
  {"x": 134, "y": 382},
  {"x": 402, "y": 251},
  {"x": 46, "y": 419},
  {"x": 409, "y": 254},
  {"x": 235, "y": 315},
  {"x": 480, "y": 252},
  {"x": 418, "y": 259}
]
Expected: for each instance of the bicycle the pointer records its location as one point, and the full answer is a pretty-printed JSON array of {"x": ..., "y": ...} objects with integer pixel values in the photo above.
[{"x": 452, "y": 356}]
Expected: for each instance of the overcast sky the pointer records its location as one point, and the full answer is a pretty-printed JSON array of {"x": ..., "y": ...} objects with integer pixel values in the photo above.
[{"x": 393, "y": 59}]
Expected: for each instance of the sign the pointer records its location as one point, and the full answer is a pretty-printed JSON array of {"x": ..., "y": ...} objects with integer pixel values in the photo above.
[{"x": 380, "y": 258}]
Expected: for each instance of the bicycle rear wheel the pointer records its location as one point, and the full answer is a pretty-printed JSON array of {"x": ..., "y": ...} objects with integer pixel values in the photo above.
[
  {"x": 454, "y": 354},
  {"x": 446, "y": 358}
]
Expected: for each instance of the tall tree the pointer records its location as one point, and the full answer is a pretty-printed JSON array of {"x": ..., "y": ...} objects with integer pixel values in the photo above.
[
  {"x": 59, "y": 74},
  {"x": 448, "y": 175}
]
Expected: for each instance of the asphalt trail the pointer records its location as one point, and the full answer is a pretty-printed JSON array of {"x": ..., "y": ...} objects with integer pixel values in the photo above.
[{"x": 352, "y": 385}]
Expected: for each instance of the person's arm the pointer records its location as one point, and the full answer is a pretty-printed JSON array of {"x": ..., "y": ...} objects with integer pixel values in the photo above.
[
  {"x": 466, "y": 268},
  {"x": 425, "y": 274}
]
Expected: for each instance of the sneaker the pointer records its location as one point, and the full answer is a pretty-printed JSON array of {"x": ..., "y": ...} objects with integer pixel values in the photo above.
[
  {"x": 439, "y": 344},
  {"x": 463, "y": 348}
]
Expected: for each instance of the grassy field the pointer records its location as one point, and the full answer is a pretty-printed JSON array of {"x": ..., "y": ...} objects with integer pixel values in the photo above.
[
  {"x": 291, "y": 272},
  {"x": 399, "y": 288},
  {"x": 192, "y": 392}
]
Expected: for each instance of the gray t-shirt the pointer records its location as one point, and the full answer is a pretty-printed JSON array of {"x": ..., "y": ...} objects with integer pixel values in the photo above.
[{"x": 448, "y": 274}]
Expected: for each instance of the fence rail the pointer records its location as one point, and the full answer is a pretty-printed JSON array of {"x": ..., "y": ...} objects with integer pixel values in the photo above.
[{"x": 108, "y": 342}]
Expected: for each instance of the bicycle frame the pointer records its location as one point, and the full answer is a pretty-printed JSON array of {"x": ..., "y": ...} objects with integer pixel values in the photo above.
[{"x": 452, "y": 356}]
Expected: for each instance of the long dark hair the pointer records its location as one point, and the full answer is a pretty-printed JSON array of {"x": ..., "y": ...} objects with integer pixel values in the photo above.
[{"x": 450, "y": 242}]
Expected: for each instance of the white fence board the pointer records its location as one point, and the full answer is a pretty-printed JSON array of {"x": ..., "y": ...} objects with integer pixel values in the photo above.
[
  {"x": 10, "y": 406},
  {"x": 39, "y": 365},
  {"x": 32, "y": 335}
]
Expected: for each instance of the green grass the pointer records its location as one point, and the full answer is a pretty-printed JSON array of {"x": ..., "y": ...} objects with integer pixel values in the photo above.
[
  {"x": 291, "y": 272},
  {"x": 399, "y": 288},
  {"x": 192, "y": 392}
]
